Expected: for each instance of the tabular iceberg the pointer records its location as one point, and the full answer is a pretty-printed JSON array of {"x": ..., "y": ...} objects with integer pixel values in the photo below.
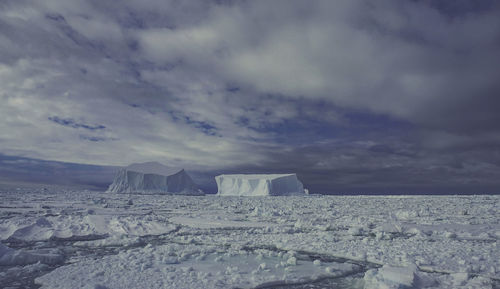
[
  {"x": 259, "y": 185},
  {"x": 153, "y": 177}
]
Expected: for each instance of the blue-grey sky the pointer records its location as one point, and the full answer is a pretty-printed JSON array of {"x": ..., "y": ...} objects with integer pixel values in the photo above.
[{"x": 353, "y": 95}]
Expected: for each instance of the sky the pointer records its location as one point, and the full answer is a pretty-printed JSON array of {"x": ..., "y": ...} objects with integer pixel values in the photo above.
[{"x": 354, "y": 96}]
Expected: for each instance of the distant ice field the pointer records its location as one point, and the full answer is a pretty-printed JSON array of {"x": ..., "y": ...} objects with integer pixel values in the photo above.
[{"x": 80, "y": 239}]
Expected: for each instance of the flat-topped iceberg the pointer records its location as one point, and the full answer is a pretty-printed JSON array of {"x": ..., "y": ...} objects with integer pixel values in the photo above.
[
  {"x": 153, "y": 177},
  {"x": 259, "y": 185}
]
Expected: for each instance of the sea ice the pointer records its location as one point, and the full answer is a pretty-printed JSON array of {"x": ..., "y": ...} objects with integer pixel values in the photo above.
[
  {"x": 73, "y": 239},
  {"x": 389, "y": 277},
  {"x": 188, "y": 266}
]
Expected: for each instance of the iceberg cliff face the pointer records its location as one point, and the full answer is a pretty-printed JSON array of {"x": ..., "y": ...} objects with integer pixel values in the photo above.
[
  {"x": 143, "y": 178},
  {"x": 259, "y": 185}
]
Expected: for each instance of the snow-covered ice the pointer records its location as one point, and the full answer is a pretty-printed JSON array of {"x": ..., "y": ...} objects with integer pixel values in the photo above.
[
  {"x": 83, "y": 239},
  {"x": 153, "y": 177},
  {"x": 259, "y": 185}
]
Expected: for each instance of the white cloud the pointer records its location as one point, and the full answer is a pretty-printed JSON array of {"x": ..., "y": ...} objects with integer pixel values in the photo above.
[
  {"x": 164, "y": 44},
  {"x": 392, "y": 58},
  {"x": 41, "y": 89},
  {"x": 200, "y": 84}
]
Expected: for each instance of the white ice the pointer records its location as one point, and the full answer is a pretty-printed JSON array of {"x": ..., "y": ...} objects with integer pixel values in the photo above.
[
  {"x": 259, "y": 185},
  {"x": 153, "y": 177},
  {"x": 152, "y": 168},
  {"x": 74, "y": 239}
]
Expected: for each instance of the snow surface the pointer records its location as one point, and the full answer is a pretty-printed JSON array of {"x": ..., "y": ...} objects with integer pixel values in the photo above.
[
  {"x": 153, "y": 177},
  {"x": 259, "y": 185},
  {"x": 82, "y": 239}
]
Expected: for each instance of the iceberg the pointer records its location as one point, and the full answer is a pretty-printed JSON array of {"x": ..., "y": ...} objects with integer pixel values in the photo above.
[
  {"x": 153, "y": 177},
  {"x": 259, "y": 185}
]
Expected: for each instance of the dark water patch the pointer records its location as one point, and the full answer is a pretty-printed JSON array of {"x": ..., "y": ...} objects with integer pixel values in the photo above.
[
  {"x": 24, "y": 276},
  {"x": 311, "y": 256},
  {"x": 349, "y": 281},
  {"x": 72, "y": 239}
]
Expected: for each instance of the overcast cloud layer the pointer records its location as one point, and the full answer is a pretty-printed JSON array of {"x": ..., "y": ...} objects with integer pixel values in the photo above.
[{"x": 353, "y": 95}]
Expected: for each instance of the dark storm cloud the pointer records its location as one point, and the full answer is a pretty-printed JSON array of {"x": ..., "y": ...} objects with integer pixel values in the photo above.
[
  {"x": 21, "y": 170},
  {"x": 355, "y": 167},
  {"x": 350, "y": 94}
]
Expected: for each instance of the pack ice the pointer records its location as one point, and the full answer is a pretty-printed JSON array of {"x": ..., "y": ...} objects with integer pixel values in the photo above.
[
  {"x": 259, "y": 185},
  {"x": 153, "y": 177},
  {"x": 60, "y": 239}
]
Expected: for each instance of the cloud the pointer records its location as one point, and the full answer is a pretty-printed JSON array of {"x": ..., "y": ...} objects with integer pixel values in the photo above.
[
  {"x": 379, "y": 58},
  {"x": 357, "y": 90}
]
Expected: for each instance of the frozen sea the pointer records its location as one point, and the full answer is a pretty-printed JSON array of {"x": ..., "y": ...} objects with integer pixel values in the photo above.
[{"x": 59, "y": 238}]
